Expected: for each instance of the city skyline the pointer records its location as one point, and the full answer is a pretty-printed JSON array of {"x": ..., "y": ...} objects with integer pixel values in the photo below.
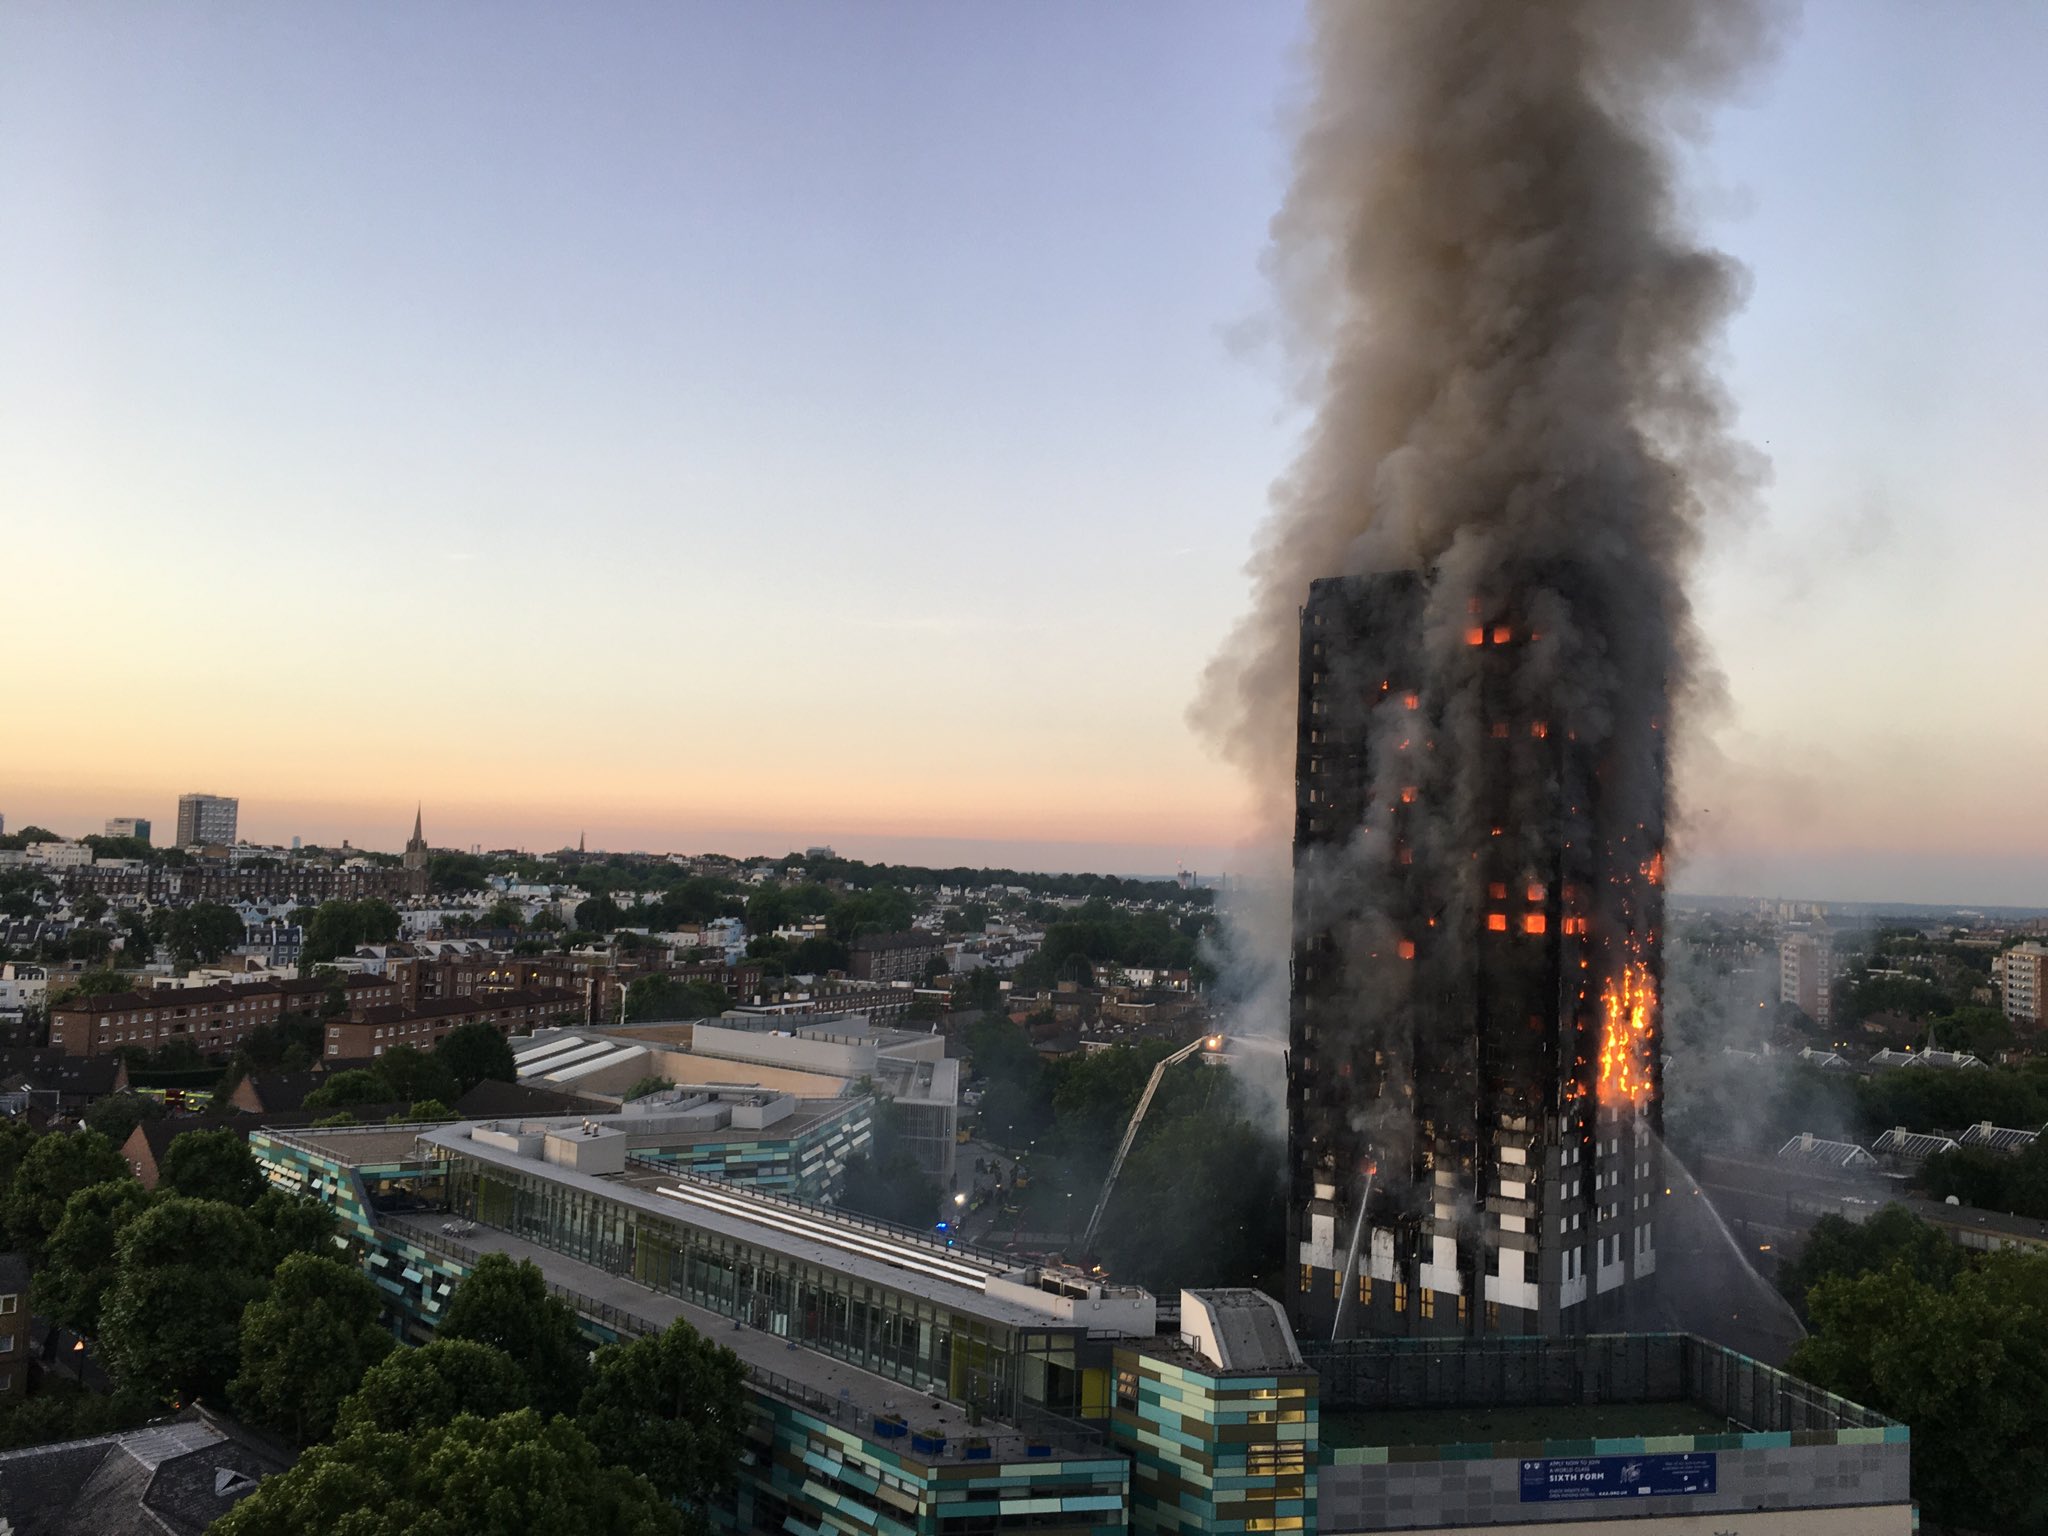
[{"x": 867, "y": 453}]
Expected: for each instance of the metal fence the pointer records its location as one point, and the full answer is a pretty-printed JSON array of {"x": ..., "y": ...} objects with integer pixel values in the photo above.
[{"x": 1407, "y": 1374}]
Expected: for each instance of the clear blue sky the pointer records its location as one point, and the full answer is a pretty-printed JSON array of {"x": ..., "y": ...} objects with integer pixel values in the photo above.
[{"x": 737, "y": 425}]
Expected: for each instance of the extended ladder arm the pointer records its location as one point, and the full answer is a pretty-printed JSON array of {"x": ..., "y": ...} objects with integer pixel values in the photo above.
[{"x": 1200, "y": 1043}]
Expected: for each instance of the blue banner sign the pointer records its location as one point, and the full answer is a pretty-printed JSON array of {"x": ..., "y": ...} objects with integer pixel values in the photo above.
[{"x": 1557, "y": 1479}]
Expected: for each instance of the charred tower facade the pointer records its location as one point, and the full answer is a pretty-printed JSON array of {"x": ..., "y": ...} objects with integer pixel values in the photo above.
[{"x": 1473, "y": 1067}]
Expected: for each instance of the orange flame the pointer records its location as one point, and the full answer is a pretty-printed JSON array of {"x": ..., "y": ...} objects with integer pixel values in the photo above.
[{"x": 1629, "y": 1003}]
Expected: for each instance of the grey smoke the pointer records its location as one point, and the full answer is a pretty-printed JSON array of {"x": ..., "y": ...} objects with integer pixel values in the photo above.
[{"x": 1505, "y": 332}]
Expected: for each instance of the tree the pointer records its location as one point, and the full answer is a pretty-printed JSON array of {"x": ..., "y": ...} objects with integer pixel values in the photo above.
[
  {"x": 100, "y": 983},
  {"x": 211, "y": 1165},
  {"x": 507, "y": 1306},
  {"x": 16, "y": 1138},
  {"x": 515, "y": 1475},
  {"x": 1841, "y": 1249},
  {"x": 646, "y": 1085},
  {"x": 294, "y": 1224},
  {"x": 815, "y": 956},
  {"x": 202, "y": 933},
  {"x": 183, "y": 1272},
  {"x": 451, "y": 872},
  {"x": 116, "y": 1116},
  {"x": 672, "y": 1408},
  {"x": 358, "y": 1085},
  {"x": 337, "y": 927},
  {"x": 306, "y": 1346},
  {"x": 410, "y": 1073},
  {"x": 475, "y": 1051},
  {"x": 52, "y": 1171},
  {"x": 600, "y": 914},
  {"x": 1017, "y": 1094},
  {"x": 91, "y": 945},
  {"x": 1992, "y": 1181},
  {"x": 78, "y": 1263},
  {"x": 981, "y": 989},
  {"x": 1962, "y": 1365},
  {"x": 138, "y": 947},
  {"x": 660, "y": 997},
  {"x": 1198, "y": 1204},
  {"x": 503, "y": 913},
  {"x": 422, "y": 1110},
  {"x": 417, "y": 1389}
]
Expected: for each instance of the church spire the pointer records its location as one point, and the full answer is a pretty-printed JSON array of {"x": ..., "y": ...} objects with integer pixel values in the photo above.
[{"x": 416, "y": 845}]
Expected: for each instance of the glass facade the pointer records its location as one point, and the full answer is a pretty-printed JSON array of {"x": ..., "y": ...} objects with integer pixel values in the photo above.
[
  {"x": 925, "y": 1344},
  {"x": 1215, "y": 1452}
]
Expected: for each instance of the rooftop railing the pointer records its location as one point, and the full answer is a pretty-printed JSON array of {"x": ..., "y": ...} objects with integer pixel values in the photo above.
[
  {"x": 1035, "y": 1433},
  {"x": 1416, "y": 1373}
]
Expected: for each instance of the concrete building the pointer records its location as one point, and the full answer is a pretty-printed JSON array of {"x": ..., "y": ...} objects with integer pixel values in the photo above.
[
  {"x": 1220, "y": 1421},
  {"x": 886, "y": 957},
  {"x": 207, "y": 820},
  {"x": 296, "y": 882},
  {"x": 24, "y": 986},
  {"x": 1474, "y": 1063},
  {"x": 901, "y": 1384},
  {"x": 2023, "y": 983},
  {"x": 895, "y": 1381},
  {"x": 128, "y": 826},
  {"x": 804, "y": 1057},
  {"x": 1806, "y": 973},
  {"x": 370, "y": 1032},
  {"x": 211, "y": 1019},
  {"x": 59, "y": 855},
  {"x": 1665, "y": 1432},
  {"x": 14, "y": 1328}
]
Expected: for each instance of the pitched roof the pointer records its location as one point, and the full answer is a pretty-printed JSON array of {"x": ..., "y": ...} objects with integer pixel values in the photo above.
[
  {"x": 283, "y": 1090},
  {"x": 87, "y": 1076},
  {"x": 1998, "y": 1138},
  {"x": 180, "y": 1475},
  {"x": 1911, "y": 1146},
  {"x": 1808, "y": 1148}
]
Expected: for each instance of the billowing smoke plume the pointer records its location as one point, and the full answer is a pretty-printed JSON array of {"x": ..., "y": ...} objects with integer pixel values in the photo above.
[
  {"x": 1505, "y": 330},
  {"x": 1516, "y": 445}
]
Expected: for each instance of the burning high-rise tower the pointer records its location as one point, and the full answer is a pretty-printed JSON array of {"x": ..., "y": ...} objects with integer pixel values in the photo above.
[
  {"x": 1473, "y": 1066},
  {"x": 1478, "y": 561}
]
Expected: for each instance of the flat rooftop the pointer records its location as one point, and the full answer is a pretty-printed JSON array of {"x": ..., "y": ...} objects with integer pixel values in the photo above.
[
  {"x": 1343, "y": 1428},
  {"x": 365, "y": 1145},
  {"x": 895, "y": 1259},
  {"x": 839, "y": 1391},
  {"x": 807, "y": 1116}
]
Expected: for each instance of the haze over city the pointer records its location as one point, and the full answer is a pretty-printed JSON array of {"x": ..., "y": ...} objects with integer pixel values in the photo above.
[
  {"x": 732, "y": 429},
  {"x": 918, "y": 769}
]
